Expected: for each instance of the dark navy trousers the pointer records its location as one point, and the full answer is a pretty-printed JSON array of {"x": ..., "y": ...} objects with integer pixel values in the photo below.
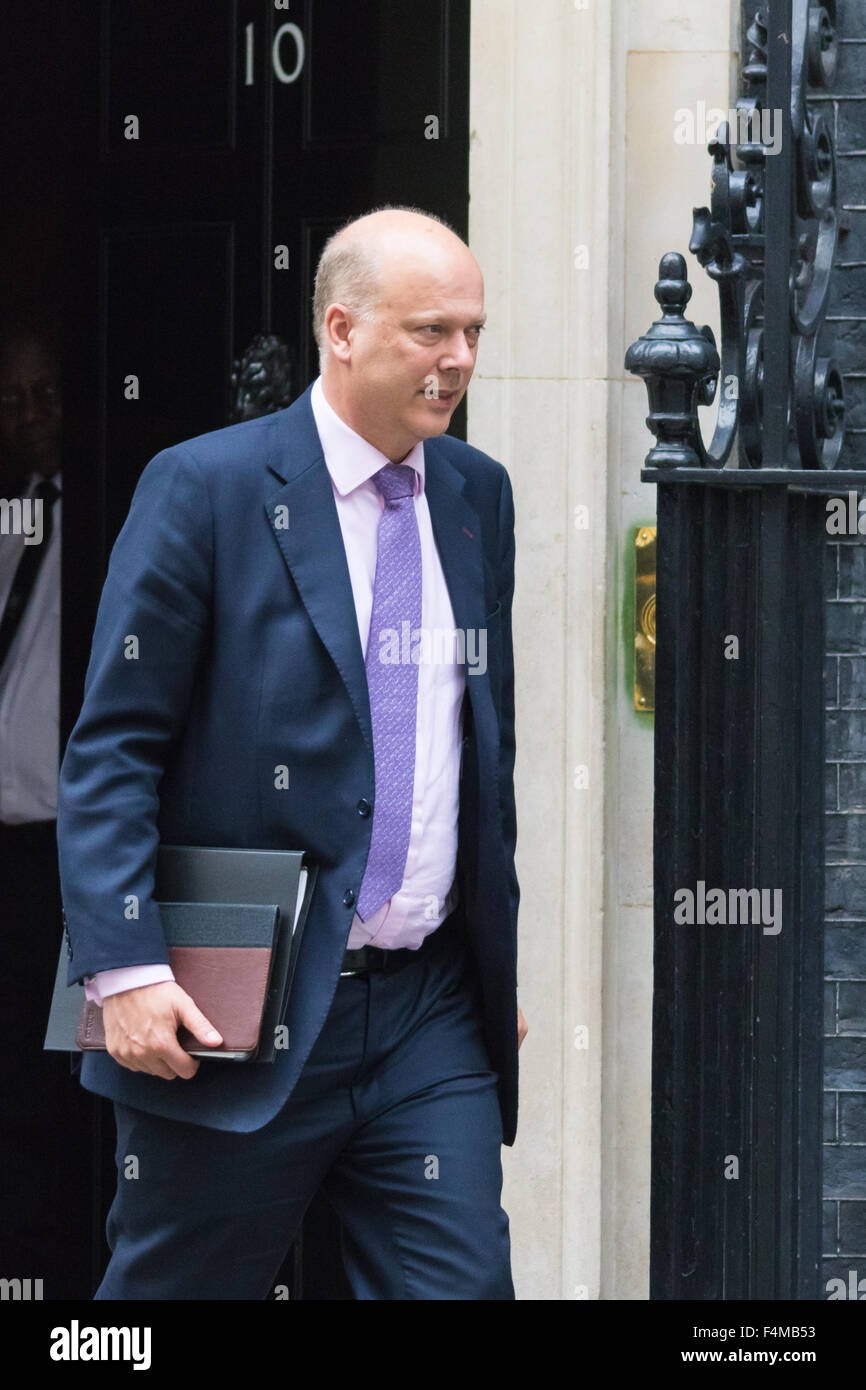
[{"x": 395, "y": 1116}]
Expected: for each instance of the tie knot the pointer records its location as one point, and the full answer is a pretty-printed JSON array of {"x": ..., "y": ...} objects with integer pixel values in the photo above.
[{"x": 394, "y": 481}]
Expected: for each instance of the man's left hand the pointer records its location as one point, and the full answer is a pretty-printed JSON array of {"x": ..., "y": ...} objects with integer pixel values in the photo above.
[{"x": 522, "y": 1026}]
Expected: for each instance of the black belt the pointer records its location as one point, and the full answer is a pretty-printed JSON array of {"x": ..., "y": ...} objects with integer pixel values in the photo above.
[{"x": 366, "y": 958}]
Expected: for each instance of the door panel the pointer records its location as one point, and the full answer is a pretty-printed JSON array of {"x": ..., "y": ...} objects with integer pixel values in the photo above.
[
  {"x": 174, "y": 67},
  {"x": 163, "y": 374}
]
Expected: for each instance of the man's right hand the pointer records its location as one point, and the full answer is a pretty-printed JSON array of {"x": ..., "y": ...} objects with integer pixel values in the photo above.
[{"x": 141, "y": 1030}]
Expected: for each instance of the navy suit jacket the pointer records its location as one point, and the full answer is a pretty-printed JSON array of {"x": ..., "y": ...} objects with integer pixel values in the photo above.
[{"x": 226, "y": 646}]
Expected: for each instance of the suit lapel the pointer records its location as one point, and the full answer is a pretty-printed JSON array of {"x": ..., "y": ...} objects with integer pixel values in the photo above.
[
  {"x": 303, "y": 517},
  {"x": 457, "y": 532}
]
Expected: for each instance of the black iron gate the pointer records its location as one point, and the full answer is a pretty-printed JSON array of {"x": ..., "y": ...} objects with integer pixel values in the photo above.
[{"x": 739, "y": 756}]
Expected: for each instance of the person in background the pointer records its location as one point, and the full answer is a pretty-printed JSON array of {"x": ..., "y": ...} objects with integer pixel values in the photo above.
[{"x": 43, "y": 1127}]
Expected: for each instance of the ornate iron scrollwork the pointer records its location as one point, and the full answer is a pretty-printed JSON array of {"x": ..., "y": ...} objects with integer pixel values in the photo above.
[{"x": 732, "y": 241}]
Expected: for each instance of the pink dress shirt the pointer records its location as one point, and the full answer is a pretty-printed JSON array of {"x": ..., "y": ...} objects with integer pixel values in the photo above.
[{"x": 428, "y": 892}]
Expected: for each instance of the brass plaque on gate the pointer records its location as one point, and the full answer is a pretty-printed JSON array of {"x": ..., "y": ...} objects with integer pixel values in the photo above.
[{"x": 645, "y": 619}]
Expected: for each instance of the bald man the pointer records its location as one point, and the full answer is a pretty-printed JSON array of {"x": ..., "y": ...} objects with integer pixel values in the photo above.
[{"x": 327, "y": 590}]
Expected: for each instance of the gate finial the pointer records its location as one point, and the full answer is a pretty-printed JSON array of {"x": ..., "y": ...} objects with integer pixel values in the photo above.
[{"x": 679, "y": 364}]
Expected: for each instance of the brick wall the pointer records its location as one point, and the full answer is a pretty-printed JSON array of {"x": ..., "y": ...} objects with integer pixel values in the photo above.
[{"x": 845, "y": 921}]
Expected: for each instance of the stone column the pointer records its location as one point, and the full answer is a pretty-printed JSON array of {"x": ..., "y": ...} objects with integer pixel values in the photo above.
[{"x": 577, "y": 186}]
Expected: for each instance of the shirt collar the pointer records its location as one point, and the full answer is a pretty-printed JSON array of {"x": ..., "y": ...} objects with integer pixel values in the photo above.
[
  {"x": 349, "y": 458},
  {"x": 36, "y": 478}
]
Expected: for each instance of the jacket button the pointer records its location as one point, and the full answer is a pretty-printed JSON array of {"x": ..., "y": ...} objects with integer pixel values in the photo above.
[
  {"x": 348, "y": 898},
  {"x": 364, "y": 807}
]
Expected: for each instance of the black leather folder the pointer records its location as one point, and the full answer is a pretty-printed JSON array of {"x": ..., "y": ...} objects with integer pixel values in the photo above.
[{"x": 214, "y": 898}]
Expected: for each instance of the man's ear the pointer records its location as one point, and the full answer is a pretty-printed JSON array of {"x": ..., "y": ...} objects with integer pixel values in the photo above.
[{"x": 339, "y": 322}]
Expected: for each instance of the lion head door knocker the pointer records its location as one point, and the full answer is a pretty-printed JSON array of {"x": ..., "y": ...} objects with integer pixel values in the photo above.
[{"x": 263, "y": 379}]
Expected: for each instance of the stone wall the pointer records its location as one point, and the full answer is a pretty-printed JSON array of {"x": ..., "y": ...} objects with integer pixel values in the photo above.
[{"x": 845, "y": 921}]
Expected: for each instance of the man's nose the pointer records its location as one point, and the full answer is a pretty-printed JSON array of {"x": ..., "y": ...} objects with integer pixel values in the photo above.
[{"x": 459, "y": 353}]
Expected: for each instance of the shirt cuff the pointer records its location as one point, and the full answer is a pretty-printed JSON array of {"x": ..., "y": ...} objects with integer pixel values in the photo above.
[{"x": 98, "y": 987}]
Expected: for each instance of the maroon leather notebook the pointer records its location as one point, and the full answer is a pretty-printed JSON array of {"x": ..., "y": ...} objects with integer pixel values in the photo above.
[{"x": 229, "y": 982}]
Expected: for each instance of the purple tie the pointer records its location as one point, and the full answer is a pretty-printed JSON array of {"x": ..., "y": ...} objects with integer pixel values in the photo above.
[{"x": 392, "y": 680}]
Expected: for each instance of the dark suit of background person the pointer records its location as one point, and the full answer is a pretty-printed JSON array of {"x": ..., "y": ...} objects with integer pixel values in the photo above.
[
  {"x": 44, "y": 1145},
  {"x": 250, "y": 658}
]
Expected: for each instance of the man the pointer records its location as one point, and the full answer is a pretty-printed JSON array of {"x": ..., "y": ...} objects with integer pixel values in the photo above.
[
  {"x": 262, "y": 572},
  {"x": 44, "y": 1144}
]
